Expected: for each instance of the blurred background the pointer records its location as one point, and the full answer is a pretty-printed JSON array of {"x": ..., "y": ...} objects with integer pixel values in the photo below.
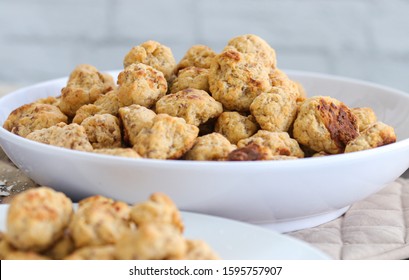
[{"x": 364, "y": 39}]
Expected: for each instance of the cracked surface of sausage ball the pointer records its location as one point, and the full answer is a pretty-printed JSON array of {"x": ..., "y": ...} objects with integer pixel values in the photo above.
[
  {"x": 134, "y": 118},
  {"x": 235, "y": 126},
  {"x": 109, "y": 102},
  {"x": 151, "y": 241},
  {"x": 280, "y": 79},
  {"x": 159, "y": 208},
  {"x": 84, "y": 86},
  {"x": 99, "y": 222},
  {"x": 33, "y": 226},
  {"x": 50, "y": 100},
  {"x": 71, "y": 136},
  {"x": 365, "y": 117},
  {"x": 252, "y": 44},
  {"x": 103, "y": 131},
  {"x": 325, "y": 124},
  {"x": 34, "y": 116},
  {"x": 274, "y": 110},
  {"x": 154, "y": 54},
  {"x": 213, "y": 146},
  {"x": 198, "y": 56},
  {"x": 168, "y": 138},
  {"x": 141, "y": 84},
  {"x": 253, "y": 151},
  {"x": 87, "y": 111},
  {"x": 235, "y": 80},
  {"x": 191, "y": 77},
  {"x": 193, "y": 105},
  {"x": 250, "y": 152},
  {"x": 106, "y": 104},
  {"x": 376, "y": 135},
  {"x": 277, "y": 143}
]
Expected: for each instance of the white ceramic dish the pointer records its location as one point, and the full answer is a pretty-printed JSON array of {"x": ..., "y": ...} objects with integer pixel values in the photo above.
[
  {"x": 282, "y": 195},
  {"x": 234, "y": 240}
]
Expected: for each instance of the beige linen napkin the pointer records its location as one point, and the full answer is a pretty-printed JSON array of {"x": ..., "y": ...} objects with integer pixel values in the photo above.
[{"x": 374, "y": 228}]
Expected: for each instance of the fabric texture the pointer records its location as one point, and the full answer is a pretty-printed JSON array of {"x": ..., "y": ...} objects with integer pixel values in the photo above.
[{"x": 374, "y": 228}]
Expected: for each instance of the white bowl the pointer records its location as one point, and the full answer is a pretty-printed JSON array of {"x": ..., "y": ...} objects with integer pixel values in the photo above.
[{"x": 282, "y": 195}]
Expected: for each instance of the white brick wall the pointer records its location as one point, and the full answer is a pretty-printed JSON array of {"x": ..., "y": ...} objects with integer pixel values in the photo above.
[{"x": 364, "y": 39}]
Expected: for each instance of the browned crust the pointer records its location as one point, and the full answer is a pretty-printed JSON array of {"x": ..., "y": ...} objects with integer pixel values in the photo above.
[
  {"x": 231, "y": 55},
  {"x": 251, "y": 152},
  {"x": 341, "y": 123},
  {"x": 387, "y": 139}
]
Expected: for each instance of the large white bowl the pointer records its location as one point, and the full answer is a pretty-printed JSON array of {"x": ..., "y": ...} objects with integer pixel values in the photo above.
[{"x": 282, "y": 195}]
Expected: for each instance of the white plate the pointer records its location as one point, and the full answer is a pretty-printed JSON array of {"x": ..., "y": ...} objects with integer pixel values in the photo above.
[
  {"x": 235, "y": 240},
  {"x": 282, "y": 195}
]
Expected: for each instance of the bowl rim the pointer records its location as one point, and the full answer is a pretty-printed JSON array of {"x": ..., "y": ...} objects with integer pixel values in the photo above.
[{"x": 325, "y": 160}]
